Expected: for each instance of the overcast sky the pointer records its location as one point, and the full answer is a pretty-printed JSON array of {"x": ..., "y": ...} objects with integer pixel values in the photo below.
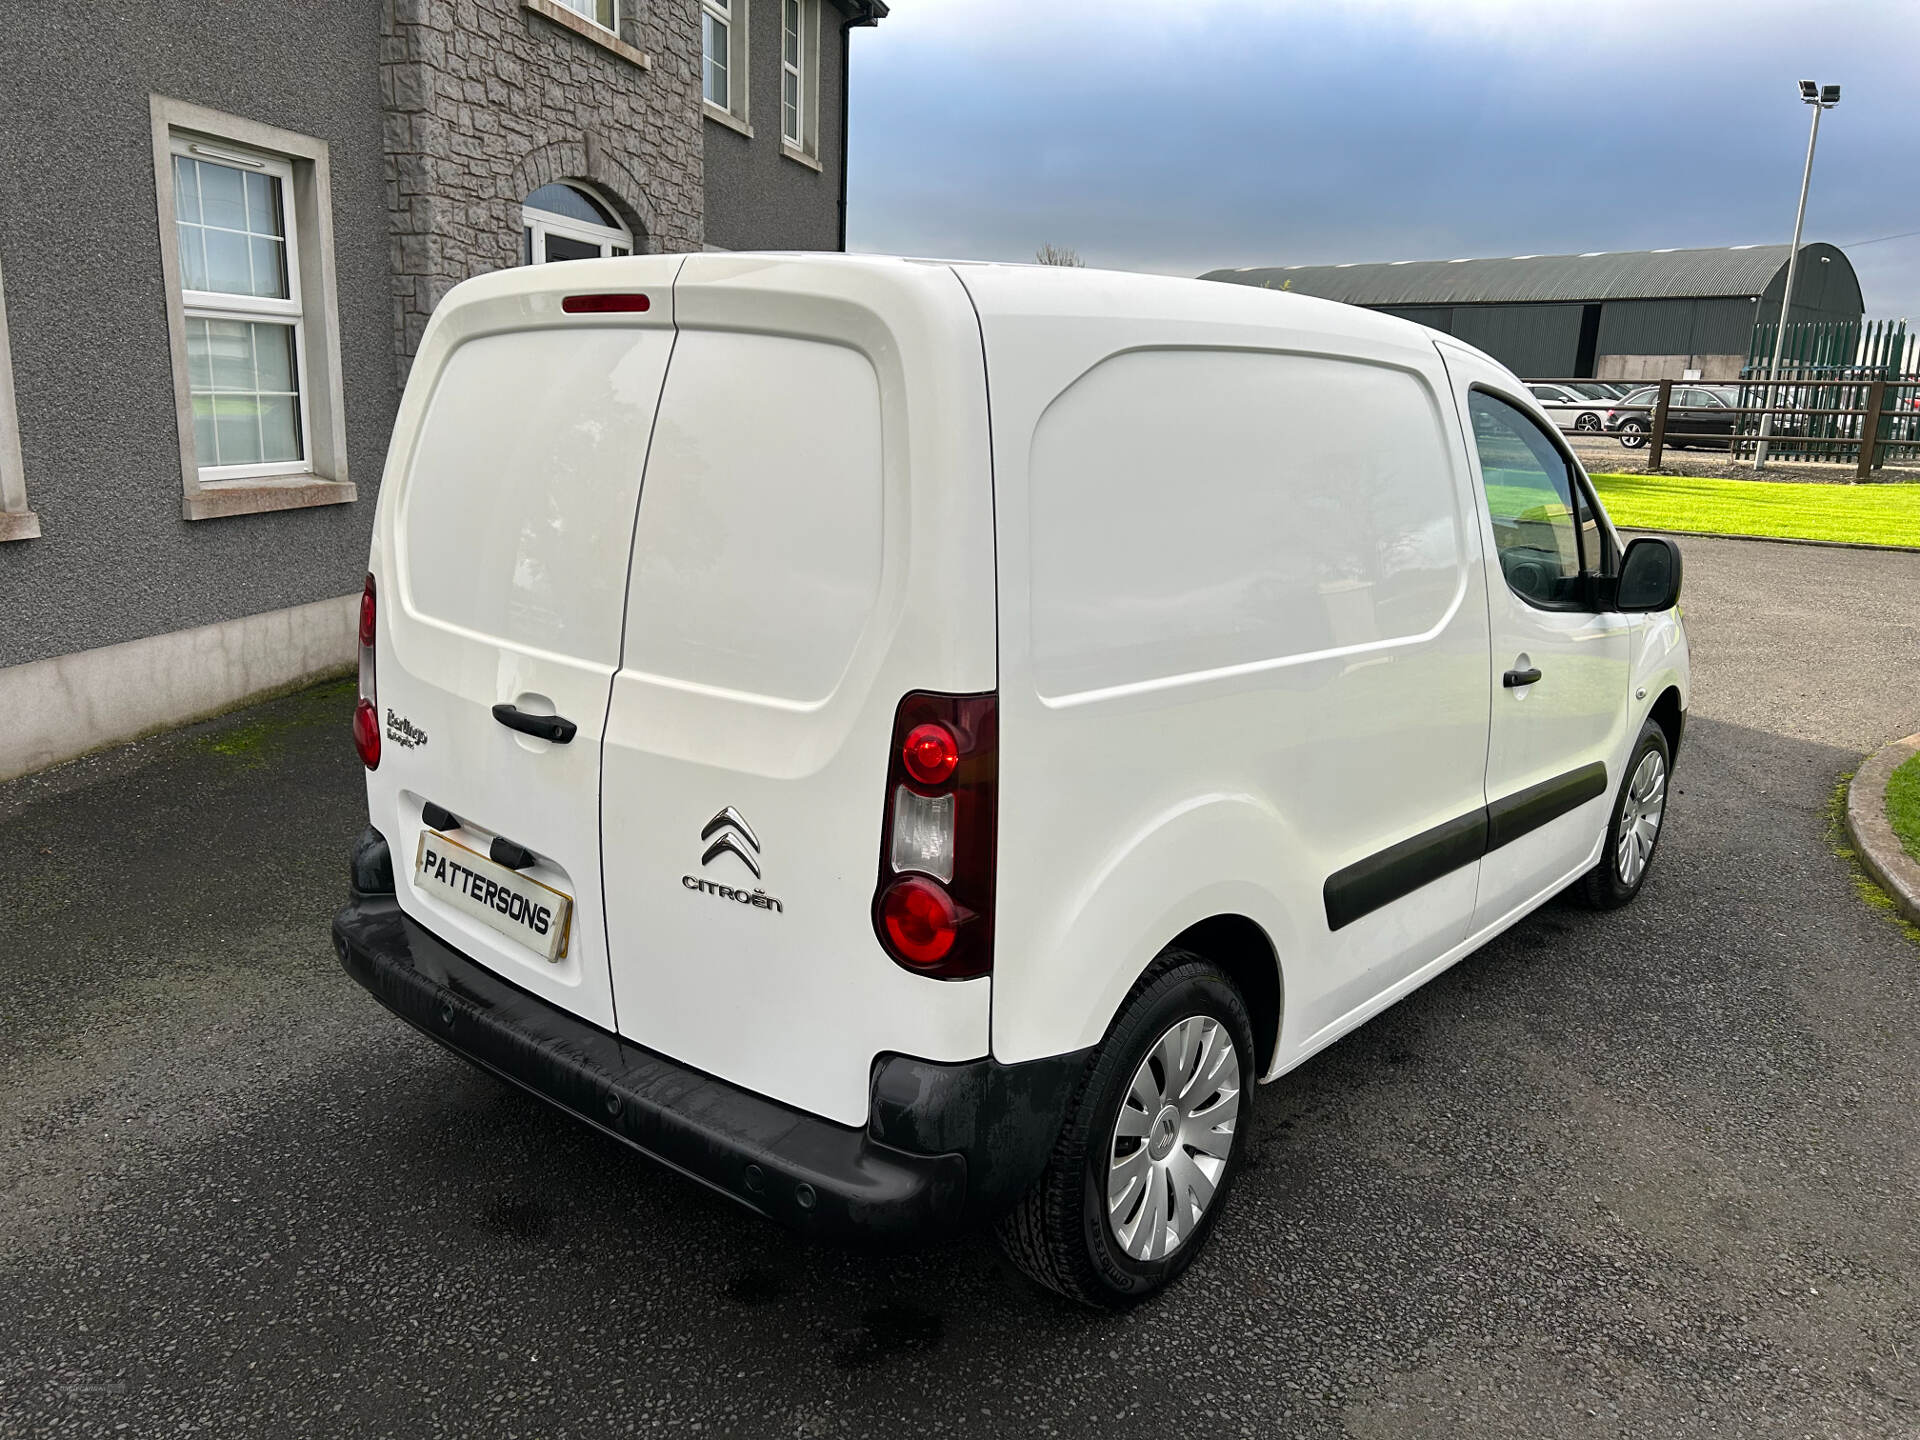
[{"x": 1184, "y": 135}]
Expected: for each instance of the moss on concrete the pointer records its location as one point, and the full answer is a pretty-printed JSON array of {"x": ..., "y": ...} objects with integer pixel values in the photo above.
[{"x": 1871, "y": 895}]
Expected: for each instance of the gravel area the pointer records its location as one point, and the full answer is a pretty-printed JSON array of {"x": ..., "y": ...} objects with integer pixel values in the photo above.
[
  {"x": 1650, "y": 1173},
  {"x": 1609, "y": 456}
]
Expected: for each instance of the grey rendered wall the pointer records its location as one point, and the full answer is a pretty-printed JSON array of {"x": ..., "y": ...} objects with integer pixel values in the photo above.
[
  {"x": 490, "y": 100},
  {"x": 758, "y": 199},
  {"x": 88, "y": 318}
]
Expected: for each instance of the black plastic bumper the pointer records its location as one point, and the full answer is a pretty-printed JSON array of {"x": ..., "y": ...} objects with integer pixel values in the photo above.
[{"x": 945, "y": 1147}]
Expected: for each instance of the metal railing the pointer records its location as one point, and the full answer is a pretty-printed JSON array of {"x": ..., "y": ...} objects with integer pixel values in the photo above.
[{"x": 1870, "y": 419}]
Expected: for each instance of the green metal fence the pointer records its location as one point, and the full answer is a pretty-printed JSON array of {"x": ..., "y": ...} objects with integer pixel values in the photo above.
[{"x": 1834, "y": 367}]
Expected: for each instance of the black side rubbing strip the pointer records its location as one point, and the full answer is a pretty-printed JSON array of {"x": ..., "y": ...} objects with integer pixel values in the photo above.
[
  {"x": 1524, "y": 810},
  {"x": 1399, "y": 870},
  {"x": 1366, "y": 885}
]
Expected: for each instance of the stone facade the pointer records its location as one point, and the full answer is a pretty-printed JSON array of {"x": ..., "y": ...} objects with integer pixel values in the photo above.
[{"x": 487, "y": 100}]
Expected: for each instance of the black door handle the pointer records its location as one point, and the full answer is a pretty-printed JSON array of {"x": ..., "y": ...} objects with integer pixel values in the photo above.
[
  {"x": 543, "y": 727},
  {"x": 1513, "y": 680}
]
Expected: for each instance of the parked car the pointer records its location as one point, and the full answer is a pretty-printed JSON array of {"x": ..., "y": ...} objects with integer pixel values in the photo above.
[
  {"x": 908, "y": 745},
  {"x": 1568, "y": 408},
  {"x": 1696, "y": 415}
]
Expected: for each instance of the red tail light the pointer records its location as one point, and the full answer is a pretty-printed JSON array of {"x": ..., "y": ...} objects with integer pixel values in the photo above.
[
  {"x": 933, "y": 906},
  {"x": 366, "y": 734},
  {"x": 366, "y": 715}
]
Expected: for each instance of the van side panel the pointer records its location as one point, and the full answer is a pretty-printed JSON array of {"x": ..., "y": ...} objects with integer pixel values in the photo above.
[
  {"x": 815, "y": 539},
  {"x": 1243, "y": 643}
]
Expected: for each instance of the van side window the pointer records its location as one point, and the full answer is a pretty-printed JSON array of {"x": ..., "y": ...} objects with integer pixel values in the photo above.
[{"x": 1531, "y": 496}]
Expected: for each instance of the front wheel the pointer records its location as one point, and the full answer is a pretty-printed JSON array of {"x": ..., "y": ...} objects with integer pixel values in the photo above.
[
  {"x": 1587, "y": 422},
  {"x": 1634, "y": 831},
  {"x": 1152, "y": 1144}
]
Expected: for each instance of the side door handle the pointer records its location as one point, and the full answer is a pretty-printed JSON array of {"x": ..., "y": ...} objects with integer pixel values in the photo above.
[
  {"x": 556, "y": 728},
  {"x": 1513, "y": 680}
]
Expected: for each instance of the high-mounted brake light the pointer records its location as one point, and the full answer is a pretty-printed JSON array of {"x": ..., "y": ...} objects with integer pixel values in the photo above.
[
  {"x": 605, "y": 304},
  {"x": 933, "y": 906},
  {"x": 366, "y": 714}
]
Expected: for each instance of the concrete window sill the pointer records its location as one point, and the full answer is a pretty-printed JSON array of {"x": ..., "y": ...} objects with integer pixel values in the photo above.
[
  {"x": 255, "y": 497},
  {"x": 800, "y": 157},
  {"x": 587, "y": 30},
  {"x": 726, "y": 117},
  {"x": 19, "y": 525}
]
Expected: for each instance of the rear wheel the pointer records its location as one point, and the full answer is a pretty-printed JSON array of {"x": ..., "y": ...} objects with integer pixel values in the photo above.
[
  {"x": 1152, "y": 1143},
  {"x": 1633, "y": 433},
  {"x": 1634, "y": 832}
]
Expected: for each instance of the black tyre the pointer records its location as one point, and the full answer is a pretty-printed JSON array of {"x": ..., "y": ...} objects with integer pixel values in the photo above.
[
  {"x": 1633, "y": 433},
  {"x": 1153, "y": 1142},
  {"x": 1633, "y": 834},
  {"x": 1587, "y": 422}
]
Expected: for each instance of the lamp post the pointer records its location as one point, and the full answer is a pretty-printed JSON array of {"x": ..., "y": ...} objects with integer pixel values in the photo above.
[{"x": 1820, "y": 97}]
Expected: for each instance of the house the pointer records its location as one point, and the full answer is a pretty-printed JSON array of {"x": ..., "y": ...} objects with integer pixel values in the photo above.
[
  {"x": 222, "y": 232},
  {"x": 1612, "y": 315}
]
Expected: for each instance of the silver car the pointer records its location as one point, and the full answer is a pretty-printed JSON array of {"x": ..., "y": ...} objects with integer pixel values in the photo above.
[{"x": 1568, "y": 408}]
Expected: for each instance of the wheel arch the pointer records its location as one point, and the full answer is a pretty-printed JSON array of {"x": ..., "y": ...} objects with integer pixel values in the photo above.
[
  {"x": 1671, "y": 717},
  {"x": 1241, "y": 947}
]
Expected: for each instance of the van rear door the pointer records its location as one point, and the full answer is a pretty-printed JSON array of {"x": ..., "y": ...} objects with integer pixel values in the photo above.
[
  {"x": 815, "y": 540},
  {"x": 501, "y": 562}
]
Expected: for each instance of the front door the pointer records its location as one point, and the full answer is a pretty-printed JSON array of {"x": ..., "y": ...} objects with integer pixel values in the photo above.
[{"x": 1559, "y": 671}]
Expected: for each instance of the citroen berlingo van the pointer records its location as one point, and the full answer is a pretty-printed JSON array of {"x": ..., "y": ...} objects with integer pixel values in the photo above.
[{"x": 912, "y": 745}]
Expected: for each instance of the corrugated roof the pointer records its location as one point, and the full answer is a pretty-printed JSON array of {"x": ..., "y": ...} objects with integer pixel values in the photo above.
[{"x": 1604, "y": 275}]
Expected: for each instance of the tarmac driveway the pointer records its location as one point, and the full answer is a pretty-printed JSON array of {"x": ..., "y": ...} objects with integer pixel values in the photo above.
[{"x": 1647, "y": 1173}]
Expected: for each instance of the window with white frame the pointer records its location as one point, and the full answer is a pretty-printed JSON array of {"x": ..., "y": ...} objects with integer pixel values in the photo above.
[
  {"x": 604, "y": 13},
  {"x": 793, "y": 78},
  {"x": 17, "y": 522},
  {"x": 240, "y": 293},
  {"x": 799, "y": 69},
  {"x": 723, "y": 59},
  {"x": 246, "y": 251},
  {"x": 569, "y": 222}
]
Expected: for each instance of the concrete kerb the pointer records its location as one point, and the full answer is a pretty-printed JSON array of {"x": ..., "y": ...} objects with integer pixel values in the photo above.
[{"x": 1880, "y": 851}]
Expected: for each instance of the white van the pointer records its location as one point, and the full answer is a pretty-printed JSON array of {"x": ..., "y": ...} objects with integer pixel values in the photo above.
[{"x": 910, "y": 744}]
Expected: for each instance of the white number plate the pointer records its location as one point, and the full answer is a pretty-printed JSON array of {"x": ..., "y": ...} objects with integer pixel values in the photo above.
[{"x": 536, "y": 915}]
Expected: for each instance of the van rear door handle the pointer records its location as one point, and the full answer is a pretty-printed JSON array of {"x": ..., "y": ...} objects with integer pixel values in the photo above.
[
  {"x": 556, "y": 728},
  {"x": 1513, "y": 680}
]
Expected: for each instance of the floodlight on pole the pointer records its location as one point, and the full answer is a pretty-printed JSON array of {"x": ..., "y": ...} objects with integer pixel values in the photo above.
[{"x": 1820, "y": 98}]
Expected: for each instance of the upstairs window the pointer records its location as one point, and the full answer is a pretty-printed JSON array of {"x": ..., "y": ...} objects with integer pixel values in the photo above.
[
  {"x": 604, "y": 13},
  {"x": 793, "y": 78},
  {"x": 716, "y": 51},
  {"x": 723, "y": 61},
  {"x": 799, "y": 78}
]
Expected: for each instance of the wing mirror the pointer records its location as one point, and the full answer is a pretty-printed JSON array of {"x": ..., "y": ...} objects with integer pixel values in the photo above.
[{"x": 1649, "y": 575}]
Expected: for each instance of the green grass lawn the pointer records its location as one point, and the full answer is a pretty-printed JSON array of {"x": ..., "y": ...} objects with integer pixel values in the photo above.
[
  {"x": 1903, "y": 803},
  {"x": 1875, "y": 514}
]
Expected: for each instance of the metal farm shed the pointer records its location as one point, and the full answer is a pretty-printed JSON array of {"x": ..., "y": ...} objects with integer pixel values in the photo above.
[{"x": 1609, "y": 315}]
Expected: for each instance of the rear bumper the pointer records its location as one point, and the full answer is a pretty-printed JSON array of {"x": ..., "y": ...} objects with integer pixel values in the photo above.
[{"x": 946, "y": 1146}]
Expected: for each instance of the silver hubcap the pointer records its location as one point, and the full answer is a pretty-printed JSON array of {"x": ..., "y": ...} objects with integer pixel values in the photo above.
[
  {"x": 1646, "y": 802},
  {"x": 1172, "y": 1137}
]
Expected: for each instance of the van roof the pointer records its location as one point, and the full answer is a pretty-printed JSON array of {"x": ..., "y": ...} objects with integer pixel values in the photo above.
[{"x": 998, "y": 290}]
